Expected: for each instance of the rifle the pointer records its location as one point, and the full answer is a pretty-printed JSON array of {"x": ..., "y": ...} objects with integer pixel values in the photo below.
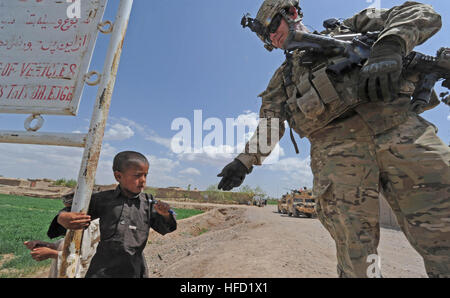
[{"x": 356, "y": 49}]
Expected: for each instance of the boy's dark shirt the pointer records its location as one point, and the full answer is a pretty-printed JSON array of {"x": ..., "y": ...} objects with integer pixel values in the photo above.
[{"x": 124, "y": 229}]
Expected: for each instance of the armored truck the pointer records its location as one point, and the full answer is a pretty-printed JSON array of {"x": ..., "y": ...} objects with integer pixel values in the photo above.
[{"x": 301, "y": 203}]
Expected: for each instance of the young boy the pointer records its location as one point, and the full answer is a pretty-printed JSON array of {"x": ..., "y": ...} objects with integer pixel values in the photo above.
[{"x": 126, "y": 216}]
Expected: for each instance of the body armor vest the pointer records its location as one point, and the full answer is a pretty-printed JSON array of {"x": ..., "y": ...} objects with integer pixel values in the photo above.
[{"x": 316, "y": 98}]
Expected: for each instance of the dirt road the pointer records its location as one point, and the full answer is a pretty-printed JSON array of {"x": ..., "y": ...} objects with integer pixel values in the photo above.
[{"x": 244, "y": 241}]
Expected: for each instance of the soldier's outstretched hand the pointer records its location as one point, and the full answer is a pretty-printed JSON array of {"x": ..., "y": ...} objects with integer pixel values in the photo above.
[{"x": 233, "y": 175}]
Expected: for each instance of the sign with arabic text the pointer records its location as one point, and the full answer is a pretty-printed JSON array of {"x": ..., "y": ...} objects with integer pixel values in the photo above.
[{"x": 44, "y": 54}]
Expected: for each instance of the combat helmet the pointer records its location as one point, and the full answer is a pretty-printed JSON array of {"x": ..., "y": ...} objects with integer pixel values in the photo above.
[{"x": 267, "y": 12}]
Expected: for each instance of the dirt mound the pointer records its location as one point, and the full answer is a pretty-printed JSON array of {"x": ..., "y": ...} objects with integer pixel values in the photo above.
[{"x": 189, "y": 238}]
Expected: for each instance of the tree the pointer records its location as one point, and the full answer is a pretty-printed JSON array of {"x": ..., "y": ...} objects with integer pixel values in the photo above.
[
  {"x": 258, "y": 190},
  {"x": 246, "y": 189},
  {"x": 212, "y": 187},
  {"x": 253, "y": 191}
]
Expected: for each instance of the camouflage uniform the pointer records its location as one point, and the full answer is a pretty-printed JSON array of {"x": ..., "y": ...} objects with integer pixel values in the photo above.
[{"x": 359, "y": 149}]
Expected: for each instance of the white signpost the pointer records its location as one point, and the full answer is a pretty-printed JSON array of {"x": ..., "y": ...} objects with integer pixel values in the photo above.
[
  {"x": 44, "y": 55},
  {"x": 45, "y": 50}
]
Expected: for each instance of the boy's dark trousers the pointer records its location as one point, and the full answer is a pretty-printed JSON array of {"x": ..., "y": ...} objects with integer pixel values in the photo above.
[{"x": 111, "y": 261}]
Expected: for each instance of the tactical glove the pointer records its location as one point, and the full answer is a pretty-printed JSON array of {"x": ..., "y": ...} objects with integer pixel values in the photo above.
[
  {"x": 233, "y": 175},
  {"x": 379, "y": 77}
]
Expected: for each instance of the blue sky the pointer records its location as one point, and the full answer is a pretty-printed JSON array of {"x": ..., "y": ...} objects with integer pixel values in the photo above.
[{"x": 181, "y": 56}]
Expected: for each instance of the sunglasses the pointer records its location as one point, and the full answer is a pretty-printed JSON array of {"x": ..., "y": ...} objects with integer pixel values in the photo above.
[{"x": 273, "y": 27}]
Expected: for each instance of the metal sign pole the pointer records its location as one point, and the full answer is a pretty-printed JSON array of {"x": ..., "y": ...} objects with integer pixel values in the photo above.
[{"x": 94, "y": 139}]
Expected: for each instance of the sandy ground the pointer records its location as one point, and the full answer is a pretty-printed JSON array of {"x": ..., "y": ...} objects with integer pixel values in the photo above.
[{"x": 243, "y": 241}]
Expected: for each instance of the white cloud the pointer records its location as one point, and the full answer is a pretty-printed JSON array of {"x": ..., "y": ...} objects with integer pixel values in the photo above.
[
  {"x": 218, "y": 155},
  {"x": 53, "y": 162},
  {"x": 248, "y": 118},
  {"x": 295, "y": 171},
  {"x": 118, "y": 132},
  {"x": 158, "y": 140},
  {"x": 210, "y": 155},
  {"x": 161, "y": 165},
  {"x": 190, "y": 171},
  {"x": 291, "y": 164},
  {"x": 147, "y": 133},
  {"x": 448, "y": 117},
  {"x": 33, "y": 161},
  {"x": 161, "y": 172}
]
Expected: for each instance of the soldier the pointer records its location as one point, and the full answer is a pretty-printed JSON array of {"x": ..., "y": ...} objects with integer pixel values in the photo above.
[{"x": 365, "y": 137}]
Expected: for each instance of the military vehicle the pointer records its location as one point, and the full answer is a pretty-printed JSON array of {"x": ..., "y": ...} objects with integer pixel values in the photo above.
[
  {"x": 282, "y": 204},
  {"x": 256, "y": 200},
  {"x": 301, "y": 203},
  {"x": 259, "y": 201}
]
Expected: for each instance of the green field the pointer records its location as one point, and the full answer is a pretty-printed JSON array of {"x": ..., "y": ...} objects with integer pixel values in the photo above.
[
  {"x": 185, "y": 213},
  {"x": 25, "y": 218},
  {"x": 272, "y": 202}
]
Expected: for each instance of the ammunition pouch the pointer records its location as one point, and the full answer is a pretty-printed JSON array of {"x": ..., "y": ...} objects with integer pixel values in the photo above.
[
  {"x": 316, "y": 99},
  {"x": 310, "y": 103}
]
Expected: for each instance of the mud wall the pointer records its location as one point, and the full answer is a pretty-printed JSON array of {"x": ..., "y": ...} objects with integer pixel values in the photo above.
[
  {"x": 201, "y": 196},
  {"x": 14, "y": 182}
]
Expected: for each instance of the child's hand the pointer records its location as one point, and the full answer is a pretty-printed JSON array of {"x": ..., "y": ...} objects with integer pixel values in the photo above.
[
  {"x": 43, "y": 253},
  {"x": 74, "y": 220},
  {"x": 162, "y": 208},
  {"x": 32, "y": 244}
]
